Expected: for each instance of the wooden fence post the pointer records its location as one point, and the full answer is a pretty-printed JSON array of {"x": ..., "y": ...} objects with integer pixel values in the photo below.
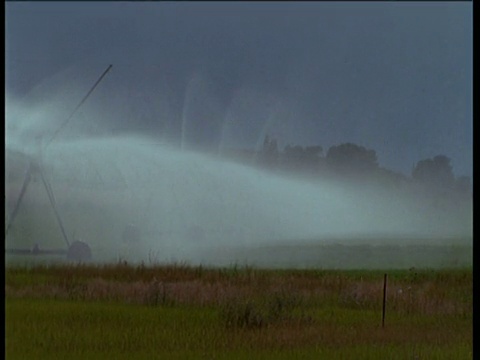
[{"x": 384, "y": 298}]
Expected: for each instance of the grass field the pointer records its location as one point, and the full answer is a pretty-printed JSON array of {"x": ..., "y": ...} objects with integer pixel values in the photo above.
[{"x": 122, "y": 311}]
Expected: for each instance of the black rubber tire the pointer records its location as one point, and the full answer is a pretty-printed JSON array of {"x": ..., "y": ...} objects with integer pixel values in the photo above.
[{"x": 79, "y": 251}]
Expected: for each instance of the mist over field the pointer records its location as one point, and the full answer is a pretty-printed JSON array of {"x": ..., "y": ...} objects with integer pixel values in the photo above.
[
  {"x": 189, "y": 205},
  {"x": 229, "y": 133}
]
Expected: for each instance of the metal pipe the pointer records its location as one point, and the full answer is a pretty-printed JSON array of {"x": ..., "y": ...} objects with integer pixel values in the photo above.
[{"x": 78, "y": 106}]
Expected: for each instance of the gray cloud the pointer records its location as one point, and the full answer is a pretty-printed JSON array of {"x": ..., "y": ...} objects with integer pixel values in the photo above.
[{"x": 395, "y": 77}]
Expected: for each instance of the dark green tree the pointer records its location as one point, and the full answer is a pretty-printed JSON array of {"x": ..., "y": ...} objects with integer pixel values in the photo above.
[
  {"x": 352, "y": 158},
  {"x": 302, "y": 159},
  {"x": 268, "y": 156},
  {"x": 436, "y": 171}
]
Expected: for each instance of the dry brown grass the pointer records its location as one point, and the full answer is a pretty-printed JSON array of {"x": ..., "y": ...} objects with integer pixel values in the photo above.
[{"x": 408, "y": 292}]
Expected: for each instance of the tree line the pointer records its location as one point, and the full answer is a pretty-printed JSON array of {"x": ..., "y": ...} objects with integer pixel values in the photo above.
[{"x": 353, "y": 161}]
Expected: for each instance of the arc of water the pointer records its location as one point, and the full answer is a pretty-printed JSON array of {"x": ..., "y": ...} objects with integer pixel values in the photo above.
[
  {"x": 229, "y": 118},
  {"x": 269, "y": 122}
]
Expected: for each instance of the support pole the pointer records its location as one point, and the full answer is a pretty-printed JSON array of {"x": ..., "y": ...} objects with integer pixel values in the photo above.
[
  {"x": 26, "y": 182},
  {"x": 54, "y": 207},
  {"x": 78, "y": 106},
  {"x": 384, "y": 298}
]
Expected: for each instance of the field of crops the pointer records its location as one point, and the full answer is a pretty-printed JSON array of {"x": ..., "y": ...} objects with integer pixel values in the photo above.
[{"x": 123, "y": 311}]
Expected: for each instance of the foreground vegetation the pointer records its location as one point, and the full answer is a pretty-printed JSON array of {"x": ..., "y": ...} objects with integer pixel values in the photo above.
[{"x": 178, "y": 312}]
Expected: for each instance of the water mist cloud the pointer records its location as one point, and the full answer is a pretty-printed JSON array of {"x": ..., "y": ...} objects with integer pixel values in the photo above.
[{"x": 188, "y": 203}]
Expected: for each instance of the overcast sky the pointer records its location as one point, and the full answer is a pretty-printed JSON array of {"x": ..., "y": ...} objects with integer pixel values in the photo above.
[{"x": 395, "y": 77}]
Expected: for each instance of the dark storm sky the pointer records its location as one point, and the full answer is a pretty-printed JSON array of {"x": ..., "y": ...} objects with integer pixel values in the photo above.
[{"x": 395, "y": 77}]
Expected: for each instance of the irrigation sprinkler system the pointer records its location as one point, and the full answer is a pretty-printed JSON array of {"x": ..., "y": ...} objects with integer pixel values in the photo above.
[{"x": 76, "y": 250}]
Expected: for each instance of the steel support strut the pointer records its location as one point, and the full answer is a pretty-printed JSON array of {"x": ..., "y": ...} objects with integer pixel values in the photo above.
[
  {"x": 54, "y": 207},
  {"x": 26, "y": 181},
  {"x": 51, "y": 198},
  {"x": 78, "y": 106}
]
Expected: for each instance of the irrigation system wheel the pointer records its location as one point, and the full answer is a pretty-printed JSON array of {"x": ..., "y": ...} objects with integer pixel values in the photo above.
[{"x": 79, "y": 251}]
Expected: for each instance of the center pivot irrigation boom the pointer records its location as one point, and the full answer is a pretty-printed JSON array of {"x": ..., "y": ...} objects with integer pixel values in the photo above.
[{"x": 76, "y": 250}]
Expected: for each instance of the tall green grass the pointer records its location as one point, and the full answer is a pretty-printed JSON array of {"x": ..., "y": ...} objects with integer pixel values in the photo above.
[{"x": 180, "y": 312}]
